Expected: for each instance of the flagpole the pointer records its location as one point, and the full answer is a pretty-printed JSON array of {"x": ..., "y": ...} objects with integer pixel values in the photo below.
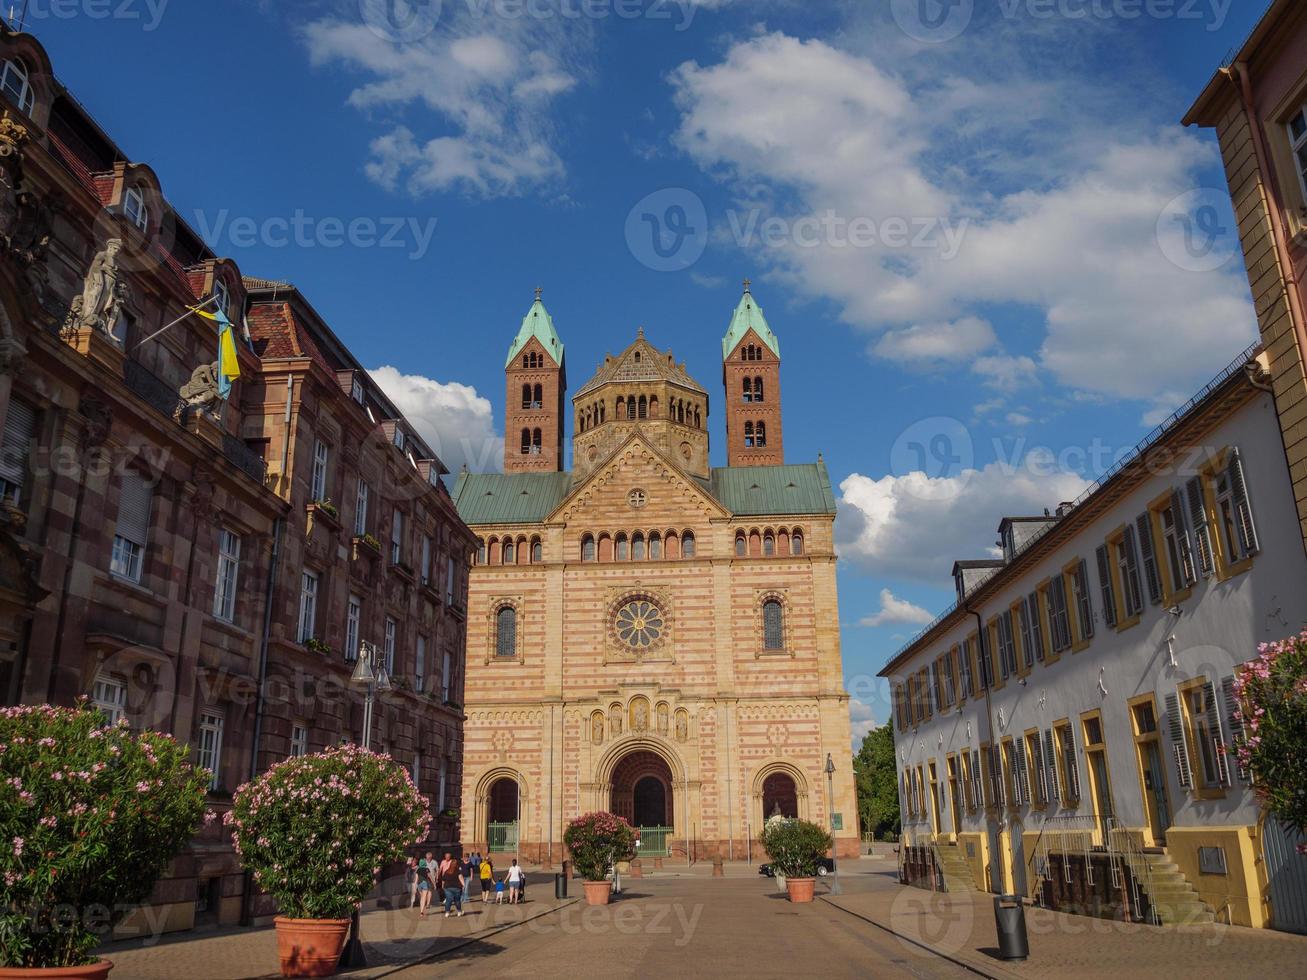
[{"x": 189, "y": 311}]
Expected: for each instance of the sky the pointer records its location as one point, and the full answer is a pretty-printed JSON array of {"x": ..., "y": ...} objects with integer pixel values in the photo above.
[{"x": 992, "y": 255}]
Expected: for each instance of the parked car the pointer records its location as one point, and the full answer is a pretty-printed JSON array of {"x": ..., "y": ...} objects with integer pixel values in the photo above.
[{"x": 825, "y": 867}]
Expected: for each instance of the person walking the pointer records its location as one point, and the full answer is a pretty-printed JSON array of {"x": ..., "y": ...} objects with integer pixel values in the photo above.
[
  {"x": 451, "y": 881},
  {"x": 426, "y": 883},
  {"x": 470, "y": 872},
  {"x": 411, "y": 880},
  {"x": 487, "y": 872},
  {"x": 514, "y": 882}
]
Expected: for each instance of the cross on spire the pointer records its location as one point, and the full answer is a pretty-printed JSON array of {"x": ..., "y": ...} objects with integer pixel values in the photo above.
[
  {"x": 747, "y": 284},
  {"x": 539, "y": 292}
]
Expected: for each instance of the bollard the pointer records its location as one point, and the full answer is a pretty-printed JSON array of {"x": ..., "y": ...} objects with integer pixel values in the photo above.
[
  {"x": 718, "y": 868},
  {"x": 1010, "y": 921},
  {"x": 560, "y": 886}
]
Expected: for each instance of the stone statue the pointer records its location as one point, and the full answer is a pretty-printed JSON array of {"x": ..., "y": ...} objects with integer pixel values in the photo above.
[
  {"x": 682, "y": 726},
  {"x": 12, "y": 138},
  {"x": 597, "y": 728},
  {"x": 105, "y": 293},
  {"x": 640, "y": 717},
  {"x": 201, "y": 392},
  {"x": 615, "y": 720}
]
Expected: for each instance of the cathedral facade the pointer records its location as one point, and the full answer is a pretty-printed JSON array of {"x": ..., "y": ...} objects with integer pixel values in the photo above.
[{"x": 648, "y": 634}]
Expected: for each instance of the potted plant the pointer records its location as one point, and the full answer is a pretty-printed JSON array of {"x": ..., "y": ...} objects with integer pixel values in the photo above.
[
  {"x": 796, "y": 847},
  {"x": 595, "y": 841},
  {"x": 90, "y": 816},
  {"x": 315, "y": 831}
]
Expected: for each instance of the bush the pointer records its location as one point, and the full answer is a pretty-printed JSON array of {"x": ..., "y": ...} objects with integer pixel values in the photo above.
[
  {"x": 595, "y": 840},
  {"x": 1272, "y": 694},
  {"x": 90, "y": 817},
  {"x": 795, "y": 847},
  {"x": 316, "y": 830}
]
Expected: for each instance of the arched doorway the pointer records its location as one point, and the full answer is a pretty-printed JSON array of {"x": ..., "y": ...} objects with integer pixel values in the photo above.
[
  {"x": 780, "y": 796},
  {"x": 502, "y": 816},
  {"x": 643, "y": 794}
]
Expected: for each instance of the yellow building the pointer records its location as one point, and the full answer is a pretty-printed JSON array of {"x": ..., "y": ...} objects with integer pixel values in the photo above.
[{"x": 647, "y": 634}]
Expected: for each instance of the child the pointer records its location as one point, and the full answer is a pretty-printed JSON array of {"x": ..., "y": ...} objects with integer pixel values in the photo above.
[{"x": 499, "y": 891}]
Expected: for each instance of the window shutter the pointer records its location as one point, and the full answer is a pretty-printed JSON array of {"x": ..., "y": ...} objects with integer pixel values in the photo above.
[
  {"x": 1243, "y": 509},
  {"x": 134, "y": 509},
  {"x": 1085, "y": 608},
  {"x": 1145, "y": 525},
  {"x": 1023, "y": 772},
  {"x": 1072, "y": 765},
  {"x": 1235, "y": 719},
  {"x": 1036, "y": 631},
  {"x": 976, "y": 787},
  {"x": 1037, "y": 769},
  {"x": 996, "y": 775},
  {"x": 1218, "y": 733},
  {"x": 1201, "y": 529},
  {"x": 1178, "y": 745},
  {"x": 1184, "y": 539},
  {"x": 1105, "y": 584},
  {"x": 1134, "y": 600},
  {"x": 20, "y": 424},
  {"x": 1050, "y": 763},
  {"x": 965, "y": 774}
]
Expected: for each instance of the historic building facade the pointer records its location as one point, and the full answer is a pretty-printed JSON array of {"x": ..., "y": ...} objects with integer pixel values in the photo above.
[
  {"x": 649, "y": 634},
  {"x": 198, "y": 565}
]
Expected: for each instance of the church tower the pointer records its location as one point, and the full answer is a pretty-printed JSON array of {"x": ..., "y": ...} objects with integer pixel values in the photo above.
[
  {"x": 751, "y": 373},
  {"x": 536, "y": 378}
]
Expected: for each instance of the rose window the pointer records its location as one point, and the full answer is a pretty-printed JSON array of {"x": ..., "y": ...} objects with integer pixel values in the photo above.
[{"x": 639, "y": 624}]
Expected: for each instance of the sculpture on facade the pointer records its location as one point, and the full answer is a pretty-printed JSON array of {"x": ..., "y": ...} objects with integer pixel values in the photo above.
[
  {"x": 12, "y": 138},
  {"x": 200, "y": 394},
  {"x": 105, "y": 293}
]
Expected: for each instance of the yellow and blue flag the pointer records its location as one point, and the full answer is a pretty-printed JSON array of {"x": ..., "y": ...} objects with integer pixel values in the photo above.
[{"x": 229, "y": 368}]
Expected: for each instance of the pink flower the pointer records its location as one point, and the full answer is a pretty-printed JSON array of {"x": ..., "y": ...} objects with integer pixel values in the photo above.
[{"x": 18, "y": 846}]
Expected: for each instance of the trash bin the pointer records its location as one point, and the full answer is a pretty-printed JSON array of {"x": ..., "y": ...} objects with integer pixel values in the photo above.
[
  {"x": 560, "y": 886},
  {"x": 1010, "y": 921}
]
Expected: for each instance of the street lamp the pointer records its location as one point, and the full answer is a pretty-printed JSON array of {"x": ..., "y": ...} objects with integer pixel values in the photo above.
[
  {"x": 371, "y": 677},
  {"x": 835, "y": 888}
]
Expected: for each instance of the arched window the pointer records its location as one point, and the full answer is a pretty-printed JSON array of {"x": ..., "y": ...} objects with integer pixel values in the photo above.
[
  {"x": 603, "y": 412},
  {"x": 757, "y": 389},
  {"x": 526, "y": 360},
  {"x": 506, "y": 632},
  {"x": 481, "y": 552},
  {"x": 796, "y": 542},
  {"x": 588, "y": 548},
  {"x": 510, "y": 554},
  {"x": 741, "y": 546},
  {"x": 621, "y": 406},
  {"x": 630, "y": 408},
  {"x": 492, "y": 551},
  {"x": 755, "y": 543},
  {"x": 536, "y": 443},
  {"x": 672, "y": 545},
  {"x": 644, "y": 407},
  {"x": 687, "y": 544},
  {"x": 137, "y": 213},
  {"x": 748, "y": 390},
  {"x": 623, "y": 548},
  {"x": 748, "y": 435},
  {"x": 637, "y": 546},
  {"x": 526, "y": 442},
  {"x": 526, "y": 396},
  {"x": 698, "y": 421},
  {"x": 537, "y": 397},
  {"x": 655, "y": 546},
  {"x": 768, "y": 545},
  {"x": 16, "y": 83},
  {"x": 773, "y": 625},
  {"x": 537, "y": 550},
  {"x": 760, "y": 439},
  {"x": 653, "y": 406}
]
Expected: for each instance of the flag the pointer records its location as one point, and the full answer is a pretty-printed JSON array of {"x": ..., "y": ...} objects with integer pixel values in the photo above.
[{"x": 229, "y": 368}]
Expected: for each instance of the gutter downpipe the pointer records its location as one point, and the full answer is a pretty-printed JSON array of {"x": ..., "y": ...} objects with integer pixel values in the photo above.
[{"x": 995, "y": 829}]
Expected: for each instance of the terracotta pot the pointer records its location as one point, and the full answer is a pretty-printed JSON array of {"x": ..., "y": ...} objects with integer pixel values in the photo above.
[
  {"x": 800, "y": 889},
  {"x": 95, "y": 971},
  {"x": 310, "y": 947},
  {"x": 597, "y": 892}
]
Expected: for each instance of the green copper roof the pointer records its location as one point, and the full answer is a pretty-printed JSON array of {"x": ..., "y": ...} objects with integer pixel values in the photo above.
[
  {"x": 746, "y": 491},
  {"x": 748, "y": 316},
  {"x": 509, "y": 498},
  {"x": 538, "y": 324}
]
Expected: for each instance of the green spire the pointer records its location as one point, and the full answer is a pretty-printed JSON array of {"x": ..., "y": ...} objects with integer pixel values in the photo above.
[
  {"x": 748, "y": 316},
  {"x": 538, "y": 324}
]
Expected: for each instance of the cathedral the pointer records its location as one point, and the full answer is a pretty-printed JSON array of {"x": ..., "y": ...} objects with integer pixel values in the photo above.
[{"x": 647, "y": 633}]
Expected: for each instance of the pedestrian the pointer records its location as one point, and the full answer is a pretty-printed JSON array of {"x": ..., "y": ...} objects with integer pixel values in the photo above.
[
  {"x": 499, "y": 890},
  {"x": 470, "y": 872},
  {"x": 487, "y": 873},
  {"x": 426, "y": 883},
  {"x": 514, "y": 882},
  {"x": 451, "y": 881},
  {"x": 411, "y": 880}
]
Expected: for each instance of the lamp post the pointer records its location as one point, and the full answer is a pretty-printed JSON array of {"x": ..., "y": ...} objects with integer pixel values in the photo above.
[
  {"x": 371, "y": 677},
  {"x": 835, "y": 888}
]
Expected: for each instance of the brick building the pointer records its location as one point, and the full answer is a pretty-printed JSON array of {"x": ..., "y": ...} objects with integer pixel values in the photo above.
[
  {"x": 197, "y": 565},
  {"x": 647, "y": 633}
]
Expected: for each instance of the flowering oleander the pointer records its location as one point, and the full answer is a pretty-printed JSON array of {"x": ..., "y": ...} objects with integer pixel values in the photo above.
[{"x": 594, "y": 840}]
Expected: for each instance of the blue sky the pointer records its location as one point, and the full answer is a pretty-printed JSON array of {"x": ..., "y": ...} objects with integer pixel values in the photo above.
[{"x": 991, "y": 254}]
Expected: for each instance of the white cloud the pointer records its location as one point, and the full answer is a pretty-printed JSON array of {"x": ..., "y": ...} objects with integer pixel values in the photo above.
[
  {"x": 454, "y": 420},
  {"x": 896, "y": 610},
  {"x": 933, "y": 344},
  {"x": 861, "y": 721},
  {"x": 916, "y": 526},
  {"x": 1004, "y": 372}
]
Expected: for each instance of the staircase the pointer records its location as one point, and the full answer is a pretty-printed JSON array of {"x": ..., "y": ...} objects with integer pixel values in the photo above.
[
  {"x": 955, "y": 868},
  {"x": 1174, "y": 901}
]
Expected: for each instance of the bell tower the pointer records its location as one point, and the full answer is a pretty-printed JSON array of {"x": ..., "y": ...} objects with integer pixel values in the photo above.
[
  {"x": 751, "y": 374},
  {"x": 536, "y": 379}
]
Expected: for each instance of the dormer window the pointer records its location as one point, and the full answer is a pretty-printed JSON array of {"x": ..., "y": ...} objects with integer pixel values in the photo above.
[
  {"x": 399, "y": 438},
  {"x": 16, "y": 83},
  {"x": 1298, "y": 142},
  {"x": 136, "y": 211},
  {"x": 222, "y": 298},
  {"x": 356, "y": 390}
]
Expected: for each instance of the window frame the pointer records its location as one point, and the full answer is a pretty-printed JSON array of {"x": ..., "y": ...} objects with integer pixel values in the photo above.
[
  {"x": 770, "y": 603},
  {"x": 362, "y": 495},
  {"x": 501, "y": 641},
  {"x": 353, "y": 624},
  {"x": 227, "y": 575},
  {"x": 127, "y": 558},
  {"x": 1200, "y": 736},
  {"x": 137, "y": 212},
  {"x": 308, "y": 614},
  {"x": 114, "y": 709},
  {"x": 1080, "y": 605},
  {"x": 318, "y": 478},
  {"x": 208, "y": 754},
  {"x": 25, "y": 96}
]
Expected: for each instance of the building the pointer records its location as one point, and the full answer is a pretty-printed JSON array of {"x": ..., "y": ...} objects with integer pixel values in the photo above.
[
  {"x": 194, "y": 564},
  {"x": 649, "y": 634},
  {"x": 1064, "y": 730}
]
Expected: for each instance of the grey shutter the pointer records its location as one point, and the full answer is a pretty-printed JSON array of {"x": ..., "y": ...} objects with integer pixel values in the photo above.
[
  {"x": 1187, "y": 572},
  {"x": 1178, "y": 742},
  {"x": 1243, "y": 509},
  {"x": 1027, "y": 644},
  {"x": 1105, "y": 585},
  {"x": 1084, "y": 604},
  {"x": 1202, "y": 534},
  {"x": 996, "y": 774},
  {"x": 1145, "y": 525},
  {"x": 1050, "y": 764},
  {"x": 1022, "y": 781},
  {"x": 1134, "y": 599},
  {"x": 134, "y": 497},
  {"x": 20, "y": 424},
  {"x": 976, "y": 788},
  {"x": 1072, "y": 766},
  {"x": 1218, "y": 734},
  {"x": 1232, "y": 713},
  {"x": 1037, "y": 768},
  {"x": 1036, "y": 630}
]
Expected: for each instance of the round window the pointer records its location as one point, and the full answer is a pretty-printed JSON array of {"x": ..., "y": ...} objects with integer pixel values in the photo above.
[{"x": 639, "y": 624}]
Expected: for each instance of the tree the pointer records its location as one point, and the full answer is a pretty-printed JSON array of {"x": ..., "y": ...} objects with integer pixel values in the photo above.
[{"x": 877, "y": 782}]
